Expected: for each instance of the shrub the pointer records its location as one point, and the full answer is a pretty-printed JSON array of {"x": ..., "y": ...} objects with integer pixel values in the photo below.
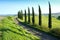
[
  {"x": 58, "y": 17},
  {"x": 40, "y": 21},
  {"x": 56, "y": 31}
]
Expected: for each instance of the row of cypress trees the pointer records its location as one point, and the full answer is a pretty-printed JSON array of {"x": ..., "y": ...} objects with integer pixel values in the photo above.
[
  {"x": 40, "y": 16},
  {"x": 20, "y": 14},
  {"x": 33, "y": 16}
]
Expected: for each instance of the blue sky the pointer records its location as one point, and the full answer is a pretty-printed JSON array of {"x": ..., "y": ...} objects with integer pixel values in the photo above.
[{"x": 13, "y": 6}]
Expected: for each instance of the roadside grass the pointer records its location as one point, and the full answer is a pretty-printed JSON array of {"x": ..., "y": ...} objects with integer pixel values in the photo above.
[
  {"x": 55, "y": 30},
  {"x": 12, "y": 31}
]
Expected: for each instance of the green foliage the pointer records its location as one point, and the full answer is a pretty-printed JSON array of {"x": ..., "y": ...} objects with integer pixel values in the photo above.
[
  {"x": 20, "y": 14},
  {"x": 12, "y": 31},
  {"x": 55, "y": 31},
  {"x": 58, "y": 17},
  {"x": 49, "y": 22},
  {"x": 33, "y": 18},
  {"x": 40, "y": 21},
  {"x": 28, "y": 15},
  {"x": 25, "y": 16}
]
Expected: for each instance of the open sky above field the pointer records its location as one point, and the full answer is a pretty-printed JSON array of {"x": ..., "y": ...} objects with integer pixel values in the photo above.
[{"x": 13, "y": 6}]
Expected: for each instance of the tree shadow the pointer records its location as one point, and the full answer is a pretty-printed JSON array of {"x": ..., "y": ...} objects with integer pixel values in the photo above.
[{"x": 29, "y": 26}]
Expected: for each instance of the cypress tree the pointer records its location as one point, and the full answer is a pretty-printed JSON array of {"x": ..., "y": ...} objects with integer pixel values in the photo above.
[
  {"x": 33, "y": 18},
  {"x": 18, "y": 13},
  {"x": 40, "y": 21},
  {"x": 50, "y": 21},
  {"x": 21, "y": 14},
  {"x": 25, "y": 16},
  {"x": 28, "y": 15}
]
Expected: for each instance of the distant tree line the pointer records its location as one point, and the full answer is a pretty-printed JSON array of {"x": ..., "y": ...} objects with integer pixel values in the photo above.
[{"x": 20, "y": 15}]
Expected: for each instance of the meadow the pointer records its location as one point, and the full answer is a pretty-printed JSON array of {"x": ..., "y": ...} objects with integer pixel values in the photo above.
[
  {"x": 55, "y": 30},
  {"x": 12, "y": 31}
]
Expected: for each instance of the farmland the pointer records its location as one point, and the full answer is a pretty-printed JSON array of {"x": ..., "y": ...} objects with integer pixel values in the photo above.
[{"x": 11, "y": 31}]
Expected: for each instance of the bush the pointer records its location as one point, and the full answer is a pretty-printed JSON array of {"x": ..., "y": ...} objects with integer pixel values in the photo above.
[
  {"x": 58, "y": 17},
  {"x": 56, "y": 31}
]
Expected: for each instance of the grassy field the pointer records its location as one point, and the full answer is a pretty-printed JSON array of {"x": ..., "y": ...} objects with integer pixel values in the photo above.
[
  {"x": 12, "y": 31},
  {"x": 55, "y": 30}
]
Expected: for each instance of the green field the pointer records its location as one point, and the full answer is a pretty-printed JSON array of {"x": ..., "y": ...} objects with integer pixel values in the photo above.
[
  {"x": 11, "y": 31},
  {"x": 55, "y": 30}
]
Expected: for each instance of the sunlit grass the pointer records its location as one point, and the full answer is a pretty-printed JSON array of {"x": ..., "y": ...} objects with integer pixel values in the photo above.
[{"x": 12, "y": 31}]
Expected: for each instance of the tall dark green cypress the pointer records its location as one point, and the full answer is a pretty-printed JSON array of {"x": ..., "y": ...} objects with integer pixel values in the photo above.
[
  {"x": 28, "y": 15},
  {"x": 33, "y": 18},
  {"x": 25, "y": 16},
  {"x": 40, "y": 21},
  {"x": 18, "y": 14},
  {"x": 21, "y": 14},
  {"x": 50, "y": 19}
]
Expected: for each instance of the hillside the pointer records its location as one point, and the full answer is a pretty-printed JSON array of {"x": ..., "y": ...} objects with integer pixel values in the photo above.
[
  {"x": 9, "y": 30},
  {"x": 53, "y": 14}
]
